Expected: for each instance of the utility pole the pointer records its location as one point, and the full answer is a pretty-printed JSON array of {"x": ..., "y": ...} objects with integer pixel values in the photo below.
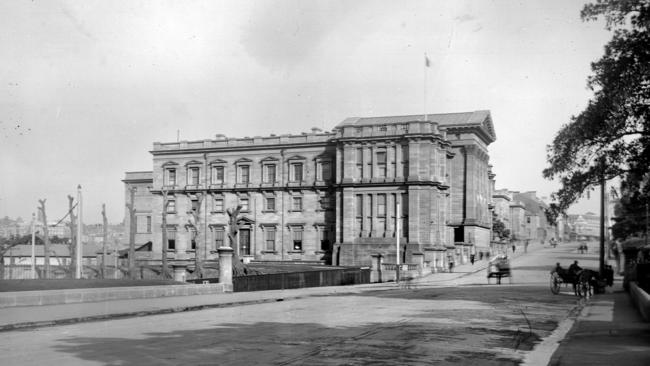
[
  {"x": 397, "y": 234},
  {"x": 601, "y": 267},
  {"x": 104, "y": 238},
  {"x": 33, "y": 245},
  {"x": 79, "y": 268}
]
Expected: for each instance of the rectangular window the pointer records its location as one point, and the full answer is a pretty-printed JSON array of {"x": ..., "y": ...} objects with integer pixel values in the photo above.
[
  {"x": 325, "y": 240},
  {"x": 244, "y": 204},
  {"x": 296, "y": 172},
  {"x": 297, "y": 239},
  {"x": 244, "y": 174},
  {"x": 359, "y": 158},
  {"x": 195, "y": 205},
  {"x": 296, "y": 204},
  {"x": 171, "y": 206},
  {"x": 405, "y": 161},
  {"x": 218, "y": 205},
  {"x": 170, "y": 177},
  {"x": 405, "y": 215},
  {"x": 370, "y": 213},
  {"x": 141, "y": 224},
  {"x": 359, "y": 205},
  {"x": 171, "y": 238},
  {"x": 217, "y": 174},
  {"x": 381, "y": 205},
  {"x": 270, "y": 238},
  {"x": 381, "y": 164},
  {"x": 193, "y": 176},
  {"x": 193, "y": 234},
  {"x": 269, "y": 173},
  {"x": 218, "y": 237},
  {"x": 323, "y": 171},
  {"x": 148, "y": 224},
  {"x": 270, "y": 203}
]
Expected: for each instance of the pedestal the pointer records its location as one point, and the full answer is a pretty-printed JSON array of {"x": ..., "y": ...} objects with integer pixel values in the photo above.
[{"x": 225, "y": 267}]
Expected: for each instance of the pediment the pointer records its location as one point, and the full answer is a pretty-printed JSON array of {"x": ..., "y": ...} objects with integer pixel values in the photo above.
[
  {"x": 243, "y": 160},
  {"x": 218, "y": 161},
  {"x": 297, "y": 157},
  {"x": 169, "y": 163},
  {"x": 193, "y": 162},
  {"x": 269, "y": 158}
]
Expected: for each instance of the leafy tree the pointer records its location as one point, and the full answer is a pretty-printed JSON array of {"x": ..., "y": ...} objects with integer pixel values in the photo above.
[
  {"x": 499, "y": 228},
  {"x": 611, "y": 137}
]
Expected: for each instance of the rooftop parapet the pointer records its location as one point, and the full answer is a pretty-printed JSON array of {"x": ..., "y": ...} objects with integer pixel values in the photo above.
[{"x": 225, "y": 142}]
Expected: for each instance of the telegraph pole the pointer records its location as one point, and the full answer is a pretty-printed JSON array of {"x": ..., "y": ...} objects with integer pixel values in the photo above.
[
  {"x": 33, "y": 245},
  {"x": 79, "y": 269}
]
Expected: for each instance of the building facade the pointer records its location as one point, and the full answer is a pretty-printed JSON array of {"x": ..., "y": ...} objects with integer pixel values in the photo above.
[{"x": 336, "y": 196}]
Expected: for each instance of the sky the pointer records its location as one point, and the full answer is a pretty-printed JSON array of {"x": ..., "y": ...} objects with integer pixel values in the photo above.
[{"x": 87, "y": 87}]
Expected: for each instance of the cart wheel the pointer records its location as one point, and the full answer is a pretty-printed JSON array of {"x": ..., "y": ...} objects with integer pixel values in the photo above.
[{"x": 555, "y": 284}]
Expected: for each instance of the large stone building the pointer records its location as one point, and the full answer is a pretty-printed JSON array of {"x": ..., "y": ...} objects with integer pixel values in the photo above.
[{"x": 337, "y": 196}]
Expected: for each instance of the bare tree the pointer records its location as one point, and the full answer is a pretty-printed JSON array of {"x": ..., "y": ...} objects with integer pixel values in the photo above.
[
  {"x": 165, "y": 241},
  {"x": 234, "y": 224},
  {"x": 132, "y": 226},
  {"x": 46, "y": 239},
  {"x": 104, "y": 240},
  {"x": 195, "y": 222},
  {"x": 72, "y": 245}
]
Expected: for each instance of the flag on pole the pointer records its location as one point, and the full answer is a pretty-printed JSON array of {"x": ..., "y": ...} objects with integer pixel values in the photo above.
[{"x": 427, "y": 62}]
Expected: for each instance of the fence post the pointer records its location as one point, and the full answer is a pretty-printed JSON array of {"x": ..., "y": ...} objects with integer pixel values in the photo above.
[
  {"x": 375, "y": 269},
  {"x": 225, "y": 268}
]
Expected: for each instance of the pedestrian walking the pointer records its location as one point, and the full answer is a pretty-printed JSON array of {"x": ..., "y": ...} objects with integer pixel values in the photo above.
[
  {"x": 451, "y": 264},
  {"x": 513, "y": 248},
  {"x": 471, "y": 258}
]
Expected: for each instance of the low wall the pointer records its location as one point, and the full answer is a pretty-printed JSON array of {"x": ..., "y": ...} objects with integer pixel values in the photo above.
[
  {"x": 73, "y": 296},
  {"x": 641, "y": 300},
  {"x": 292, "y": 280}
]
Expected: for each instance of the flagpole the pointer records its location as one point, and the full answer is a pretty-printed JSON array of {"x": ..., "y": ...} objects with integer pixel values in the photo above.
[{"x": 426, "y": 77}]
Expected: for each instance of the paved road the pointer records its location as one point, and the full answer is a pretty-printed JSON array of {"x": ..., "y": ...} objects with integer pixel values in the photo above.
[{"x": 470, "y": 323}]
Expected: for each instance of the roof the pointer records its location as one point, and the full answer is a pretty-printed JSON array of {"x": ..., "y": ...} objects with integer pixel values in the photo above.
[{"x": 480, "y": 118}]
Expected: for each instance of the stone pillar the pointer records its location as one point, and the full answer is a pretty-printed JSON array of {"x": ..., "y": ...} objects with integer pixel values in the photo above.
[
  {"x": 375, "y": 269},
  {"x": 418, "y": 258},
  {"x": 179, "y": 272},
  {"x": 225, "y": 267}
]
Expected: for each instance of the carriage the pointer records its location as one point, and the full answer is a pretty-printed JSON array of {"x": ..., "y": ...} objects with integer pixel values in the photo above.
[
  {"x": 583, "y": 281},
  {"x": 499, "y": 267}
]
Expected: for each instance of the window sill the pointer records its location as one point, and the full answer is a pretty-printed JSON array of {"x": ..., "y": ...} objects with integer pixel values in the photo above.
[
  {"x": 269, "y": 252},
  {"x": 295, "y": 210},
  {"x": 296, "y": 252},
  {"x": 217, "y": 212},
  {"x": 269, "y": 211},
  {"x": 172, "y": 212}
]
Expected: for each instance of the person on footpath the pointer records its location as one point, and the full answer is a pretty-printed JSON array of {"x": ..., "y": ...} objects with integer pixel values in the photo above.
[
  {"x": 472, "y": 257},
  {"x": 451, "y": 264}
]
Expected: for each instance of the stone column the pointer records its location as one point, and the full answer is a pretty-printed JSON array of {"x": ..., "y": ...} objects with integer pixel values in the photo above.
[
  {"x": 418, "y": 258},
  {"x": 225, "y": 268},
  {"x": 179, "y": 272},
  {"x": 375, "y": 269}
]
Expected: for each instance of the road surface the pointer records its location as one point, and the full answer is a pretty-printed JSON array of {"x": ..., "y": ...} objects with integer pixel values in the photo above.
[{"x": 460, "y": 321}]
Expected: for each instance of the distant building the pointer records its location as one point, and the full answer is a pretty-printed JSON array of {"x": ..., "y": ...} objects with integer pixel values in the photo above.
[{"x": 335, "y": 196}]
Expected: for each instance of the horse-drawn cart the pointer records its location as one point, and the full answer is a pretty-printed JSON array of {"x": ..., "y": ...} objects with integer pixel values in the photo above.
[{"x": 499, "y": 267}]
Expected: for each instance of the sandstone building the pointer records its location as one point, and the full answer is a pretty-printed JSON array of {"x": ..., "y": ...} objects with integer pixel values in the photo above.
[{"x": 336, "y": 196}]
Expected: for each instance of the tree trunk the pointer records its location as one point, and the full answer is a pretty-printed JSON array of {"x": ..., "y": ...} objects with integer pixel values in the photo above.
[
  {"x": 196, "y": 224},
  {"x": 104, "y": 240},
  {"x": 46, "y": 240},
  {"x": 132, "y": 227},
  {"x": 164, "y": 273}
]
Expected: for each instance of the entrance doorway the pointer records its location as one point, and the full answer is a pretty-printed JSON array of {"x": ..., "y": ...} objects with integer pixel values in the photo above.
[{"x": 245, "y": 241}]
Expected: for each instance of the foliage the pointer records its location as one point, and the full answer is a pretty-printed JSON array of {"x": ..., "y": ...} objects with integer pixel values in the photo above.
[
  {"x": 499, "y": 228},
  {"x": 611, "y": 137}
]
